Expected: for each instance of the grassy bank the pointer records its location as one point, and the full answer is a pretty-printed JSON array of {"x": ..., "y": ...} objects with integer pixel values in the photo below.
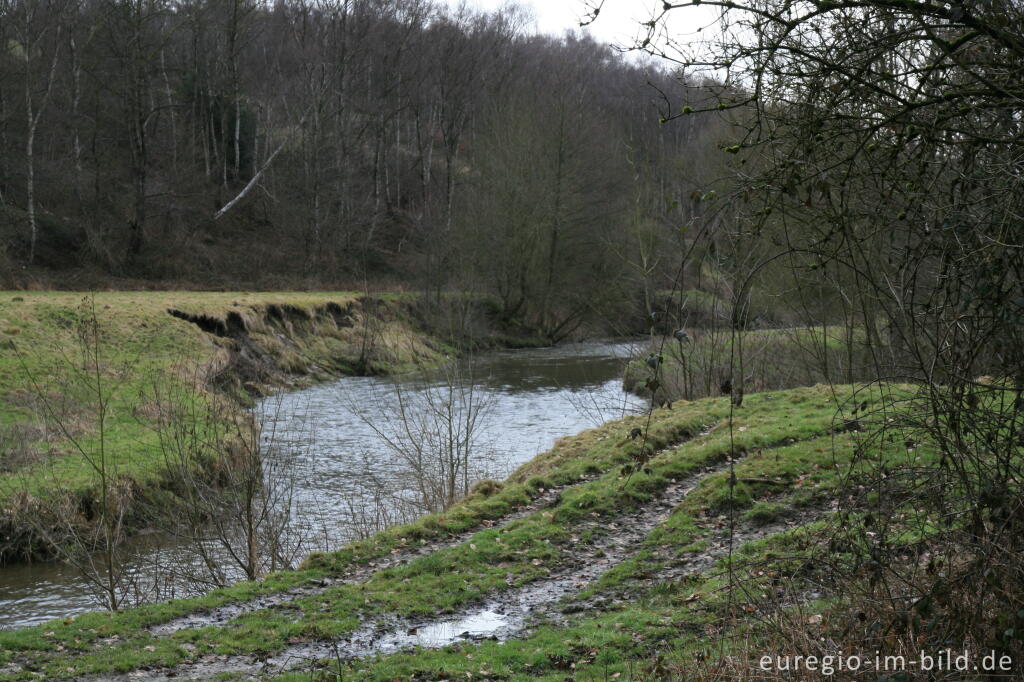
[
  {"x": 740, "y": 542},
  {"x": 85, "y": 380},
  {"x": 767, "y": 359}
]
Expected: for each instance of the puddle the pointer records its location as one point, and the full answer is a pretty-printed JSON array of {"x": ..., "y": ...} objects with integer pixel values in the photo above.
[
  {"x": 483, "y": 625},
  {"x": 222, "y": 614},
  {"x": 500, "y": 618},
  {"x": 472, "y": 627}
]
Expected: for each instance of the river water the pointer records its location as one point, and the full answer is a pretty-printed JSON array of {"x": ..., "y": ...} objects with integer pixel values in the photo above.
[{"x": 343, "y": 479}]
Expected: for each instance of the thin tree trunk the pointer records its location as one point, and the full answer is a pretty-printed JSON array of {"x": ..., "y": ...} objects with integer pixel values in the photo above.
[
  {"x": 32, "y": 116},
  {"x": 250, "y": 185},
  {"x": 30, "y": 175},
  {"x": 76, "y": 98},
  {"x": 556, "y": 224},
  {"x": 170, "y": 106}
]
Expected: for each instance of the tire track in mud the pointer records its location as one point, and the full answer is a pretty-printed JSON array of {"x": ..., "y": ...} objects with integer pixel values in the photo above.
[
  {"x": 675, "y": 568},
  {"x": 500, "y": 617},
  {"x": 358, "y": 574},
  {"x": 221, "y": 614}
]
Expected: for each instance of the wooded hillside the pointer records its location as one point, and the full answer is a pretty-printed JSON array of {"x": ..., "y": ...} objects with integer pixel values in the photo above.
[{"x": 238, "y": 142}]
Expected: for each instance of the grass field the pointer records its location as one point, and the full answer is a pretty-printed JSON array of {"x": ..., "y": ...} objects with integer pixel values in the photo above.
[
  {"x": 669, "y": 597},
  {"x": 80, "y": 375}
]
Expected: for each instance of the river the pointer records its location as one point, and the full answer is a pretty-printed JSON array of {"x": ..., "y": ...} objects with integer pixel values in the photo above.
[{"x": 343, "y": 479}]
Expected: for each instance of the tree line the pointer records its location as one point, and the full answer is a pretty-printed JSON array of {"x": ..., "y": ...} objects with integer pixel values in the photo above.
[{"x": 239, "y": 142}]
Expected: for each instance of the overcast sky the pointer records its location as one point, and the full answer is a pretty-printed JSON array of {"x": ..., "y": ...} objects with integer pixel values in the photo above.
[{"x": 618, "y": 23}]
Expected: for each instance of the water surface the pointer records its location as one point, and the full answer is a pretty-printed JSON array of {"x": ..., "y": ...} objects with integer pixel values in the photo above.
[{"x": 333, "y": 461}]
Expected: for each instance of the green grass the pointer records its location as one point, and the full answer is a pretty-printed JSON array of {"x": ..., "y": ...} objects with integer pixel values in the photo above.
[
  {"x": 787, "y": 441},
  {"x": 51, "y": 386},
  {"x": 763, "y": 513}
]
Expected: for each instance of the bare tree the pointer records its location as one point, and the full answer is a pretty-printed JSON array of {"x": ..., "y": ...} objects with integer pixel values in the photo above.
[
  {"x": 87, "y": 535},
  {"x": 434, "y": 428},
  {"x": 39, "y": 39},
  {"x": 882, "y": 165},
  {"x": 234, "y": 501}
]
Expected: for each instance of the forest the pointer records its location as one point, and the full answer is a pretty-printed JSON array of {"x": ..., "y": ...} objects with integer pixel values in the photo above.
[
  {"x": 397, "y": 143},
  {"x": 755, "y": 286}
]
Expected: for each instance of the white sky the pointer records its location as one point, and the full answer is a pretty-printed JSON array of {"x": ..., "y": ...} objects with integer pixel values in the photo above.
[{"x": 619, "y": 20}]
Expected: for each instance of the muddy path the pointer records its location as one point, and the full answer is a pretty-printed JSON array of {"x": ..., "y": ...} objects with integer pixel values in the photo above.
[
  {"x": 222, "y": 616},
  {"x": 721, "y": 541},
  {"x": 501, "y": 616},
  {"x": 360, "y": 573},
  {"x": 547, "y": 498}
]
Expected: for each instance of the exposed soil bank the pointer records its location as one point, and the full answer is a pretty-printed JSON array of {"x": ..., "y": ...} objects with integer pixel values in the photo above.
[{"x": 212, "y": 350}]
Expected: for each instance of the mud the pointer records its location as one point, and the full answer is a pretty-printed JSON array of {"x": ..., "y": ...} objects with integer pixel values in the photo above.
[
  {"x": 501, "y": 617},
  {"x": 551, "y": 599},
  {"x": 358, "y": 574},
  {"x": 672, "y": 568}
]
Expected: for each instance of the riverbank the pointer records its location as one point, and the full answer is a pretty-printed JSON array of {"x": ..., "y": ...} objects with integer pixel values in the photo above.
[
  {"x": 87, "y": 382},
  {"x": 703, "y": 363},
  {"x": 571, "y": 566},
  {"x": 344, "y": 482}
]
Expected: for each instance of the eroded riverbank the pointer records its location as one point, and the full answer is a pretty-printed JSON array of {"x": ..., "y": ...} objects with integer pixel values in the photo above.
[
  {"x": 568, "y": 558},
  {"x": 535, "y": 396}
]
